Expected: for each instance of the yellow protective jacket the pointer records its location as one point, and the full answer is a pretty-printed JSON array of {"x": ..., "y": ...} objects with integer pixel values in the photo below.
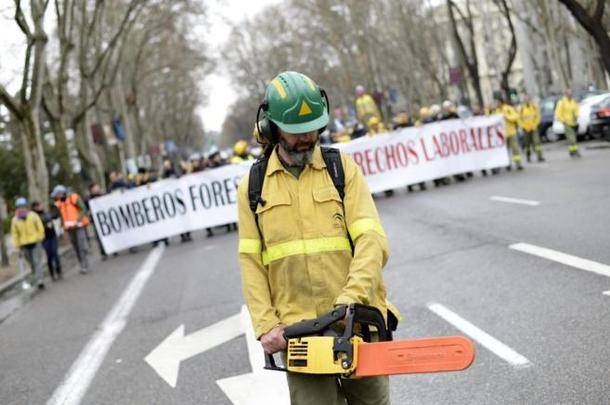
[
  {"x": 566, "y": 111},
  {"x": 366, "y": 108},
  {"x": 27, "y": 231},
  {"x": 529, "y": 116},
  {"x": 377, "y": 129},
  {"x": 511, "y": 118},
  {"x": 303, "y": 266}
]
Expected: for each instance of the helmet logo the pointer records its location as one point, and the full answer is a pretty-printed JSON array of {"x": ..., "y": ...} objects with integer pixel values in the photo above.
[
  {"x": 279, "y": 88},
  {"x": 305, "y": 109}
]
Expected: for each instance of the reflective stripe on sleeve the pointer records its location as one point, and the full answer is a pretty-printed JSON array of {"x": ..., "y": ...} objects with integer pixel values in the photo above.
[
  {"x": 305, "y": 247},
  {"x": 363, "y": 225},
  {"x": 250, "y": 246}
]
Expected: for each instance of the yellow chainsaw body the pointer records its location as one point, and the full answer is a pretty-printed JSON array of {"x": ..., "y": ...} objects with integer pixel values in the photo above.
[{"x": 314, "y": 355}]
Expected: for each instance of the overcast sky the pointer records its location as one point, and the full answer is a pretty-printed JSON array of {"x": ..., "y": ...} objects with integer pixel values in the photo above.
[{"x": 217, "y": 86}]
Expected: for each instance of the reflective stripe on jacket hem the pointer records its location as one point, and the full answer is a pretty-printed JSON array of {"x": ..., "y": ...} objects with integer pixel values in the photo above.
[{"x": 250, "y": 246}]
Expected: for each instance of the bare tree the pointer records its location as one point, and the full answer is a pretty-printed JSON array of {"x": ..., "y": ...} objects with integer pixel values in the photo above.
[
  {"x": 512, "y": 50},
  {"x": 469, "y": 57},
  {"x": 25, "y": 106},
  {"x": 591, "y": 18}
]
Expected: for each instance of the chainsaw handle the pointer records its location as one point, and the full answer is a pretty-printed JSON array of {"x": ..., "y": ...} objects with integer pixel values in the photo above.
[
  {"x": 315, "y": 326},
  {"x": 367, "y": 316},
  {"x": 270, "y": 363}
]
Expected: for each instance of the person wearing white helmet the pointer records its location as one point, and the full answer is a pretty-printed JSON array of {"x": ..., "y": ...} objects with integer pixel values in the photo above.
[{"x": 27, "y": 234}]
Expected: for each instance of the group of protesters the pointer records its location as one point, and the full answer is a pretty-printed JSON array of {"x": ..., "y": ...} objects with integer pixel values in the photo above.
[
  {"x": 34, "y": 229},
  {"x": 522, "y": 122}
]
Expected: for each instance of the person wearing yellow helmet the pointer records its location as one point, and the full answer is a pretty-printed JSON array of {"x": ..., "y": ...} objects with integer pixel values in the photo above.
[
  {"x": 375, "y": 126},
  {"x": 240, "y": 152}
]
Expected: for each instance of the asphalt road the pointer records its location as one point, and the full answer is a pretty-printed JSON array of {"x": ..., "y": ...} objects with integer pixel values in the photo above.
[{"x": 448, "y": 246}]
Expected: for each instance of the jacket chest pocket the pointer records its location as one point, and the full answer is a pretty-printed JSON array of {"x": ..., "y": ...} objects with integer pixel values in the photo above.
[
  {"x": 276, "y": 219},
  {"x": 329, "y": 212}
]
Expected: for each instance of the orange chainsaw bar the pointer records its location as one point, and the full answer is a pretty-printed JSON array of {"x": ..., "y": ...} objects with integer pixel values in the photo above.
[{"x": 411, "y": 356}]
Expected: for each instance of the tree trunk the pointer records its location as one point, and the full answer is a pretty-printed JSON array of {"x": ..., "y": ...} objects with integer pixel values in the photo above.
[
  {"x": 62, "y": 154},
  {"x": 130, "y": 150},
  {"x": 87, "y": 147},
  {"x": 3, "y": 250},
  {"x": 33, "y": 152},
  {"x": 551, "y": 40}
]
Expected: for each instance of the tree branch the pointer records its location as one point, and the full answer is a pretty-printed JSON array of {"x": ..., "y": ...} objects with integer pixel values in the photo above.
[
  {"x": 21, "y": 21},
  {"x": 10, "y": 103},
  {"x": 599, "y": 11}
]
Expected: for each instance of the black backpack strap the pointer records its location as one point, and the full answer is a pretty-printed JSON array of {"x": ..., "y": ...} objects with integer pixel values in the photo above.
[
  {"x": 255, "y": 183},
  {"x": 334, "y": 166}
]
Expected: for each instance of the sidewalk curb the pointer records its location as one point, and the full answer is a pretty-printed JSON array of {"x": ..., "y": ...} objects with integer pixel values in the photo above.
[{"x": 10, "y": 283}]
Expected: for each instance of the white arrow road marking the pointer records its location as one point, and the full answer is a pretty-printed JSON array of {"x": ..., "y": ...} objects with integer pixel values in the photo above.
[
  {"x": 165, "y": 359},
  {"x": 494, "y": 345},
  {"x": 260, "y": 387},
  {"x": 514, "y": 200},
  {"x": 564, "y": 258},
  {"x": 79, "y": 377}
]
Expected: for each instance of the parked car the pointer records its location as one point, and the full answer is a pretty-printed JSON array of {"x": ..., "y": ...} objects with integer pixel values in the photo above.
[
  {"x": 599, "y": 126},
  {"x": 584, "y": 113},
  {"x": 547, "y": 115}
]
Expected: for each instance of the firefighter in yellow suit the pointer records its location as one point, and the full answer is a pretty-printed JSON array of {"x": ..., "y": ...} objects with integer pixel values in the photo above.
[
  {"x": 529, "y": 121},
  {"x": 294, "y": 249},
  {"x": 566, "y": 111},
  {"x": 366, "y": 107},
  {"x": 511, "y": 120}
]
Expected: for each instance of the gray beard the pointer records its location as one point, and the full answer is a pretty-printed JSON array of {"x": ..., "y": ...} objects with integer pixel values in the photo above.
[{"x": 301, "y": 158}]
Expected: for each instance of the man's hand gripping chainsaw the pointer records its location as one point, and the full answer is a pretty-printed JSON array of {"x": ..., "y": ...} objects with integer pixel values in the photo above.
[{"x": 317, "y": 346}]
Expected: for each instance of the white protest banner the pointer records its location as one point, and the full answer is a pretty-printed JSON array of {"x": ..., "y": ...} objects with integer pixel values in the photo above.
[
  {"x": 415, "y": 154},
  {"x": 206, "y": 199},
  {"x": 167, "y": 207}
]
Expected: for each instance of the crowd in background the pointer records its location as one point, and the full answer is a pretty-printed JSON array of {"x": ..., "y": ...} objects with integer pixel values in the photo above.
[{"x": 35, "y": 229}]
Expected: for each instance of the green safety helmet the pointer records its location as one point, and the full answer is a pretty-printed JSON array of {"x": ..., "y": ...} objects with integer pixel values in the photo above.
[{"x": 294, "y": 103}]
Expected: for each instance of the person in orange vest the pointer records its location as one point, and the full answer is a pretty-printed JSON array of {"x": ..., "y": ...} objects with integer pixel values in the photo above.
[{"x": 75, "y": 221}]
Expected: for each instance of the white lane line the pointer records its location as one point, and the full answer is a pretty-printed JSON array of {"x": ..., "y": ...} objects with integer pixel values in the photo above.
[
  {"x": 81, "y": 373},
  {"x": 514, "y": 200},
  {"x": 484, "y": 339},
  {"x": 564, "y": 258},
  {"x": 606, "y": 292}
]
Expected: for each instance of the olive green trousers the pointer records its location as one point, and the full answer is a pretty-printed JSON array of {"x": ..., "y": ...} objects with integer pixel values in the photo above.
[{"x": 311, "y": 389}]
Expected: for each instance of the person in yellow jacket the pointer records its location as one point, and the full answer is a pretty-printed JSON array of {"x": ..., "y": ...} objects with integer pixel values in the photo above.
[
  {"x": 511, "y": 120},
  {"x": 566, "y": 112},
  {"x": 27, "y": 234},
  {"x": 529, "y": 121},
  {"x": 365, "y": 106},
  {"x": 375, "y": 126},
  {"x": 295, "y": 254},
  {"x": 240, "y": 152}
]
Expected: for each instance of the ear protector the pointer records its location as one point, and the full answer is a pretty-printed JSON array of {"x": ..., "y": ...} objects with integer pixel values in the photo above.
[{"x": 267, "y": 128}]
